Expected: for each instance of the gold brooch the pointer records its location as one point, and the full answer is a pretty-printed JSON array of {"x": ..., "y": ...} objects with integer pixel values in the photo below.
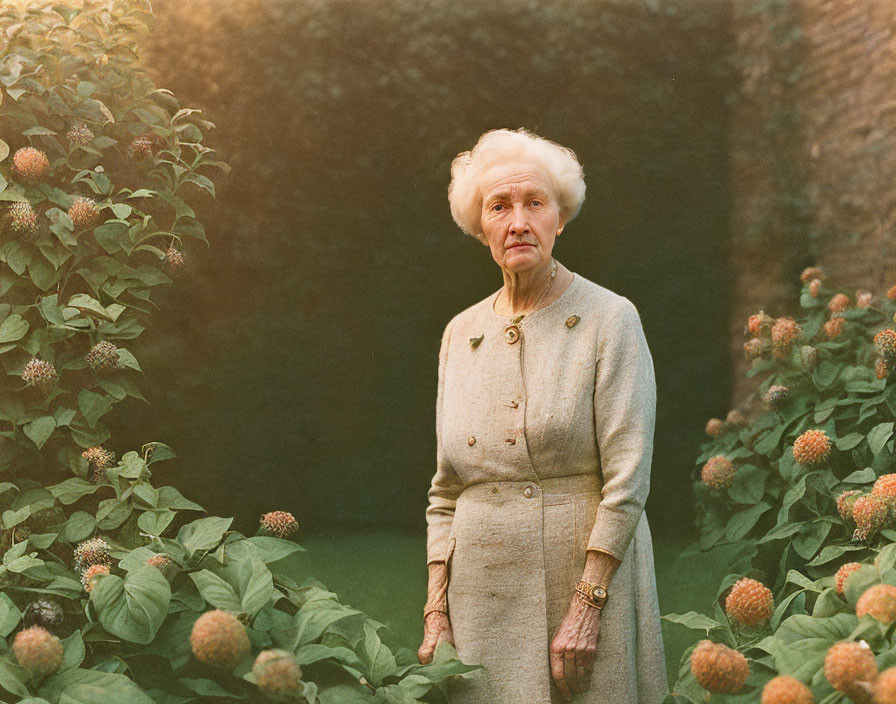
[
  {"x": 474, "y": 341},
  {"x": 572, "y": 320},
  {"x": 512, "y": 334}
]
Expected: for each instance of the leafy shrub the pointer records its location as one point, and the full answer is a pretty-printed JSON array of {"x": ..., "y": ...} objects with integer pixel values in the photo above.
[
  {"x": 799, "y": 486},
  {"x": 106, "y": 578}
]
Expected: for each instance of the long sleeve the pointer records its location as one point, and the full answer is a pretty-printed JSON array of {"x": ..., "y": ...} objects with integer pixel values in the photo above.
[
  {"x": 625, "y": 415},
  {"x": 446, "y": 485}
]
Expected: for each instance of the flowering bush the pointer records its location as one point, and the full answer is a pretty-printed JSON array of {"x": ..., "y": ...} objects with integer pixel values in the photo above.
[
  {"x": 808, "y": 505},
  {"x": 110, "y": 588}
]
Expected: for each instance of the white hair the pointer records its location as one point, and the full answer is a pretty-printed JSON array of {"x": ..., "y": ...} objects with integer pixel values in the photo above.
[{"x": 559, "y": 165}]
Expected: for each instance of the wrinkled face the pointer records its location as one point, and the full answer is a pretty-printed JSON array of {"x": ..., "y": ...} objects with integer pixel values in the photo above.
[{"x": 520, "y": 215}]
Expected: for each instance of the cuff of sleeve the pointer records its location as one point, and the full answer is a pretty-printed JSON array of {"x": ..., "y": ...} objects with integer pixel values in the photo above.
[
  {"x": 437, "y": 542},
  {"x": 605, "y": 552},
  {"x": 612, "y": 532}
]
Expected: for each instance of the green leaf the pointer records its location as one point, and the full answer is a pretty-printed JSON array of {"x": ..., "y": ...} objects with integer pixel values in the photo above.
[
  {"x": 93, "y": 405},
  {"x": 24, "y": 563},
  {"x": 858, "y": 582},
  {"x": 259, "y": 588},
  {"x": 209, "y": 688},
  {"x": 805, "y": 641},
  {"x": 787, "y": 466},
  {"x": 79, "y": 686},
  {"x": 376, "y": 655},
  {"x": 828, "y": 604},
  {"x": 69, "y": 491},
  {"x": 142, "y": 193},
  {"x": 315, "y": 652},
  {"x": 132, "y": 608},
  {"x": 40, "y": 429},
  {"x": 122, "y": 210},
  {"x": 782, "y": 607},
  {"x": 133, "y": 465},
  {"x": 202, "y": 182},
  {"x": 9, "y": 615},
  {"x": 878, "y": 436},
  {"x": 693, "y": 620},
  {"x": 74, "y": 651},
  {"x": 109, "y": 236},
  {"x": 13, "y": 679},
  {"x": 204, "y": 533},
  {"x": 87, "y": 304},
  {"x": 743, "y": 521},
  {"x": 216, "y": 591},
  {"x": 749, "y": 484},
  {"x": 770, "y": 440},
  {"x": 126, "y": 359},
  {"x": 79, "y": 527},
  {"x": 155, "y": 522},
  {"x": 13, "y": 328},
  {"x": 169, "y": 497},
  {"x": 17, "y": 256},
  {"x": 810, "y": 539},
  {"x": 312, "y": 620},
  {"x": 112, "y": 513},
  {"x": 824, "y": 374},
  {"x": 847, "y": 442},
  {"x": 43, "y": 274},
  {"x": 794, "y": 494},
  {"x": 861, "y": 476},
  {"x": 160, "y": 452},
  {"x": 63, "y": 416},
  {"x": 14, "y": 518},
  {"x": 191, "y": 227},
  {"x": 273, "y": 549},
  {"x": 147, "y": 494}
]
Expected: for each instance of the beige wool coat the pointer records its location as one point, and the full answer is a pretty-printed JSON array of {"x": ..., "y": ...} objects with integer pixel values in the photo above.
[{"x": 544, "y": 451}]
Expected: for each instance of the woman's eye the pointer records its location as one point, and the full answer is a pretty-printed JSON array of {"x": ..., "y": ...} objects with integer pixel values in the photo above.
[{"x": 536, "y": 203}]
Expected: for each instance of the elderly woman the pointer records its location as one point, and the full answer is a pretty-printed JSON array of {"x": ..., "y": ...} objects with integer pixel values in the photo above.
[{"x": 538, "y": 548}]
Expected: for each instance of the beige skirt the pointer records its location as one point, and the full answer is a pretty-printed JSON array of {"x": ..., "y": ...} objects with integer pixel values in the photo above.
[{"x": 515, "y": 552}]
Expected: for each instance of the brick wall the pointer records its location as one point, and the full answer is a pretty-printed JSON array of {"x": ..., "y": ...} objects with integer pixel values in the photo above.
[{"x": 813, "y": 153}]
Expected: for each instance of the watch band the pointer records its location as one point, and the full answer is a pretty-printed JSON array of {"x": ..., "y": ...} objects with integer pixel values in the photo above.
[{"x": 594, "y": 595}]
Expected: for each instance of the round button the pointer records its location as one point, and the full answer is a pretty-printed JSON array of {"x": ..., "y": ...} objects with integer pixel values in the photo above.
[
  {"x": 527, "y": 492},
  {"x": 572, "y": 320},
  {"x": 512, "y": 334},
  {"x": 471, "y": 440}
]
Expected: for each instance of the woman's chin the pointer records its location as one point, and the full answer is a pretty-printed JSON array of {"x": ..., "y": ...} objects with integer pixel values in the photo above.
[{"x": 521, "y": 260}]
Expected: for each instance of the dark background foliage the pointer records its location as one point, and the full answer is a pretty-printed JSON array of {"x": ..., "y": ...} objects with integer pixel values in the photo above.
[{"x": 300, "y": 356}]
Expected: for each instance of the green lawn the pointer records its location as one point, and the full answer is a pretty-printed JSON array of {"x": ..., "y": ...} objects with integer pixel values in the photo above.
[{"x": 384, "y": 574}]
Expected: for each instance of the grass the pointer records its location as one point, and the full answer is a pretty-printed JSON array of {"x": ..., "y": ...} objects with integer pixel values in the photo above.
[{"x": 384, "y": 575}]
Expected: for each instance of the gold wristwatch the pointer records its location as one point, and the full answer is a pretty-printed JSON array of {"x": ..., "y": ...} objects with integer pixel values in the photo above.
[{"x": 592, "y": 594}]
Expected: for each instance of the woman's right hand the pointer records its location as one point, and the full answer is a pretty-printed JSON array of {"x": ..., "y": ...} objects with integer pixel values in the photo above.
[{"x": 437, "y": 625}]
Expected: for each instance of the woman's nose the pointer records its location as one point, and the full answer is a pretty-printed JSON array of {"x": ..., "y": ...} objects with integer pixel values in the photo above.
[{"x": 518, "y": 222}]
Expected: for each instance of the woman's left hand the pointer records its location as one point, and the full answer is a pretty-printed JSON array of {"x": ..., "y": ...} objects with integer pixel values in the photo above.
[{"x": 574, "y": 647}]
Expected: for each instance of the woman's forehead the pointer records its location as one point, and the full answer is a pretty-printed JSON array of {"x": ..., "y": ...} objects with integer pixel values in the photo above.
[{"x": 513, "y": 177}]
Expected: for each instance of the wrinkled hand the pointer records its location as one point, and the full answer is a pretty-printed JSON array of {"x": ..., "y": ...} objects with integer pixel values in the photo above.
[
  {"x": 574, "y": 647},
  {"x": 437, "y": 625}
]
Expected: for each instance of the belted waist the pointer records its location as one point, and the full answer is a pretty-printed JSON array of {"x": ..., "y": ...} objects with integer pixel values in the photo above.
[{"x": 588, "y": 483}]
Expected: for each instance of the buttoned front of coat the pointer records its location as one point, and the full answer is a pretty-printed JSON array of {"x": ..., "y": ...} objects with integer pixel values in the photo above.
[{"x": 545, "y": 437}]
